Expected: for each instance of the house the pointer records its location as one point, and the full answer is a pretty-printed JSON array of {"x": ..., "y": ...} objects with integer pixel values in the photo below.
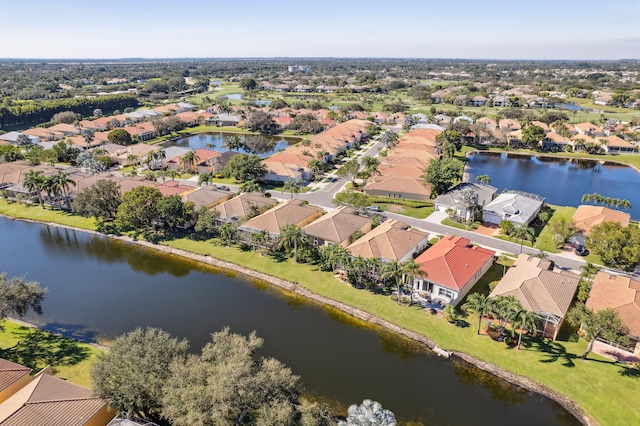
[
  {"x": 337, "y": 227},
  {"x": 12, "y": 138},
  {"x": 239, "y": 207},
  {"x": 207, "y": 196},
  {"x": 398, "y": 187},
  {"x": 13, "y": 377},
  {"x": 452, "y": 198},
  {"x": 451, "y": 268},
  {"x": 225, "y": 120},
  {"x": 616, "y": 145},
  {"x": 622, "y": 294},
  {"x": 389, "y": 241},
  {"x": 48, "y": 400},
  {"x": 588, "y": 129},
  {"x": 586, "y": 217},
  {"x": 478, "y": 101},
  {"x": 541, "y": 289},
  {"x": 553, "y": 140},
  {"x": 142, "y": 131},
  {"x": 174, "y": 188},
  {"x": 509, "y": 125},
  {"x": 519, "y": 208},
  {"x": 292, "y": 212}
]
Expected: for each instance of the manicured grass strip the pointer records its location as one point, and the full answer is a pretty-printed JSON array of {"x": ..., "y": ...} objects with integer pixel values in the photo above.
[
  {"x": 35, "y": 212},
  {"x": 606, "y": 390},
  {"x": 33, "y": 348}
]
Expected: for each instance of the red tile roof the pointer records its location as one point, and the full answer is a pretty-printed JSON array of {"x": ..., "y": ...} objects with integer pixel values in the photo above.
[{"x": 452, "y": 262}]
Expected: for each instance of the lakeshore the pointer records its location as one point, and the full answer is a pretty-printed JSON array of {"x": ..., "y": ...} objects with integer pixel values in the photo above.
[{"x": 421, "y": 337}]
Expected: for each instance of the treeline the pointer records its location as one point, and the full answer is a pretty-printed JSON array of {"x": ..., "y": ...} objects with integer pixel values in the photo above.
[{"x": 28, "y": 113}]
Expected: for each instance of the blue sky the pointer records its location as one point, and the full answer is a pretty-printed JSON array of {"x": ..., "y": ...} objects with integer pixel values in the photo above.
[{"x": 494, "y": 29}]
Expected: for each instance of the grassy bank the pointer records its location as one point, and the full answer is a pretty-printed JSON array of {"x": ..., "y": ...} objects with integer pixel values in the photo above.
[
  {"x": 35, "y": 212},
  {"x": 33, "y": 348}
]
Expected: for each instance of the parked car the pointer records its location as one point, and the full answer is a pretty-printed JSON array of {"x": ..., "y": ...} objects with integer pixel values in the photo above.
[
  {"x": 374, "y": 208},
  {"x": 582, "y": 250},
  {"x": 223, "y": 187}
]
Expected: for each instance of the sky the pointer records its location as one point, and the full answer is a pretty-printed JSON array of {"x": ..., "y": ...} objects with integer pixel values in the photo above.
[{"x": 468, "y": 29}]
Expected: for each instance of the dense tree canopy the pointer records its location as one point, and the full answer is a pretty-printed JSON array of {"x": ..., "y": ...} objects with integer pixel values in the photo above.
[
  {"x": 442, "y": 173},
  {"x": 244, "y": 167},
  {"x": 261, "y": 122},
  {"x": 139, "y": 209},
  {"x": 617, "y": 246},
  {"x": 18, "y": 296},
  {"x": 120, "y": 137},
  {"x": 101, "y": 200}
]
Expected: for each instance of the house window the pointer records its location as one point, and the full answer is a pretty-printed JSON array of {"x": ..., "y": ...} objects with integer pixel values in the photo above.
[{"x": 443, "y": 292}]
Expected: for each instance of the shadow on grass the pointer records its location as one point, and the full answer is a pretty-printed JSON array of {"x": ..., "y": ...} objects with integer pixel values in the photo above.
[
  {"x": 37, "y": 349},
  {"x": 460, "y": 323},
  {"x": 632, "y": 372}
]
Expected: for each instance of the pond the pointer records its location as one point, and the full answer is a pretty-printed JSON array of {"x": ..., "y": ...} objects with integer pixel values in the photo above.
[
  {"x": 575, "y": 107},
  {"x": 100, "y": 288},
  {"x": 239, "y": 97},
  {"x": 561, "y": 181},
  {"x": 215, "y": 141}
]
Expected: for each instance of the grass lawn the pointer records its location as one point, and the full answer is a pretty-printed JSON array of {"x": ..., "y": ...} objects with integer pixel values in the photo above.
[
  {"x": 35, "y": 212},
  {"x": 543, "y": 240},
  {"x": 606, "y": 390},
  {"x": 449, "y": 222},
  {"x": 69, "y": 359}
]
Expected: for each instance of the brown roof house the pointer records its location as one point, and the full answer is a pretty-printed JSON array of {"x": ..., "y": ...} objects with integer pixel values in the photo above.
[
  {"x": 207, "y": 196},
  {"x": 239, "y": 207},
  {"x": 452, "y": 266},
  {"x": 337, "y": 227},
  {"x": 48, "y": 400},
  {"x": 389, "y": 241},
  {"x": 541, "y": 289},
  {"x": 586, "y": 217},
  {"x": 12, "y": 378},
  {"x": 622, "y": 294},
  {"x": 292, "y": 212}
]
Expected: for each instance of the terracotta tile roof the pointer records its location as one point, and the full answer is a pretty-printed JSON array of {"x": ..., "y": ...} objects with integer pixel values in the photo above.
[
  {"x": 555, "y": 137},
  {"x": 615, "y": 141},
  {"x": 452, "y": 262},
  {"x": 398, "y": 184},
  {"x": 544, "y": 126},
  {"x": 620, "y": 293},
  {"x": 509, "y": 124},
  {"x": 587, "y": 127},
  {"x": 391, "y": 240},
  {"x": 586, "y": 217},
  {"x": 239, "y": 206},
  {"x": 291, "y": 212},
  {"x": 174, "y": 188},
  {"x": 336, "y": 226},
  {"x": 583, "y": 139},
  {"x": 536, "y": 287},
  {"x": 205, "y": 196},
  {"x": 489, "y": 123}
]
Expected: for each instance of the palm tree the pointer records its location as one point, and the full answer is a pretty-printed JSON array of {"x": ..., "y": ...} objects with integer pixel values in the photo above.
[
  {"x": 51, "y": 187},
  {"x": 479, "y": 303},
  {"x": 334, "y": 256},
  {"x": 412, "y": 271},
  {"x": 505, "y": 307},
  {"x": 485, "y": 179},
  {"x": 357, "y": 267},
  {"x": 34, "y": 182},
  {"x": 589, "y": 270},
  {"x": 162, "y": 174},
  {"x": 259, "y": 238},
  {"x": 370, "y": 165},
  {"x": 468, "y": 199},
  {"x": 133, "y": 159},
  {"x": 159, "y": 155},
  {"x": 228, "y": 232},
  {"x": 524, "y": 232},
  {"x": 524, "y": 319},
  {"x": 233, "y": 142},
  {"x": 189, "y": 160},
  {"x": 63, "y": 181},
  {"x": 396, "y": 271},
  {"x": 369, "y": 413},
  {"x": 205, "y": 177},
  {"x": 149, "y": 160},
  {"x": 173, "y": 174},
  {"x": 315, "y": 166},
  {"x": 291, "y": 237},
  {"x": 250, "y": 186},
  {"x": 88, "y": 136},
  {"x": 291, "y": 187}
]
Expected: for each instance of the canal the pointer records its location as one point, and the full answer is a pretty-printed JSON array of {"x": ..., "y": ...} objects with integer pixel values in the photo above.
[{"x": 100, "y": 288}]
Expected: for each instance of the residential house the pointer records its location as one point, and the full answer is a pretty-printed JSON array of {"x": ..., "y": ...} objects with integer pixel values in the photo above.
[
  {"x": 173, "y": 187},
  {"x": 541, "y": 289},
  {"x": 478, "y": 101},
  {"x": 225, "y": 120},
  {"x": 622, "y": 294},
  {"x": 139, "y": 150},
  {"x": 142, "y": 131},
  {"x": 239, "y": 207},
  {"x": 500, "y": 101},
  {"x": 390, "y": 241},
  {"x": 616, "y": 145},
  {"x": 519, "y": 208},
  {"x": 555, "y": 141},
  {"x": 451, "y": 268},
  {"x": 207, "y": 196},
  {"x": 509, "y": 125},
  {"x": 337, "y": 227},
  {"x": 488, "y": 123},
  {"x": 12, "y": 138},
  {"x": 589, "y": 129},
  {"x": 292, "y": 212},
  {"x": 586, "y": 217},
  {"x": 48, "y": 400},
  {"x": 452, "y": 199},
  {"x": 13, "y": 377},
  {"x": 41, "y": 133}
]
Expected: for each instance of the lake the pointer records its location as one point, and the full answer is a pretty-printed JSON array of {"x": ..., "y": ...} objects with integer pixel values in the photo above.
[
  {"x": 561, "y": 181},
  {"x": 100, "y": 288},
  {"x": 239, "y": 97},
  {"x": 202, "y": 140}
]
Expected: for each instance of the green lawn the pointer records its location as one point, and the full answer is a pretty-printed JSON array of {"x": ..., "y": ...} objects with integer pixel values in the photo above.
[
  {"x": 543, "y": 240},
  {"x": 69, "y": 359},
  {"x": 608, "y": 391},
  {"x": 449, "y": 222},
  {"x": 35, "y": 212}
]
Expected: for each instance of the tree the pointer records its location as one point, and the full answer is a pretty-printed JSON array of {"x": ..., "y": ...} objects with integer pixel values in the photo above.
[
  {"x": 412, "y": 271},
  {"x": 159, "y": 156},
  {"x": 23, "y": 140},
  {"x": 468, "y": 199},
  {"x": 258, "y": 239},
  {"x": 34, "y": 181},
  {"x": 533, "y": 135},
  {"x": 291, "y": 238},
  {"x": 232, "y": 142},
  {"x": 173, "y": 213},
  {"x": 101, "y": 200},
  {"x": 88, "y": 136},
  {"x": 333, "y": 256},
  {"x": 139, "y": 209},
  {"x": 524, "y": 320},
  {"x": 227, "y": 232},
  {"x": 120, "y": 137},
  {"x": 617, "y": 246},
  {"x": 352, "y": 198},
  {"x": 370, "y": 165},
  {"x": 485, "y": 179},
  {"x": 349, "y": 170},
  {"x": 369, "y": 413},
  {"x": 524, "y": 232},
  {"x": 18, "y": 296},
  {"x": 291, "y": 187},
  {"x": 442, "y": 173},
  {"x": 261, "y": 122},
  {"x": 97, "y": 113},
  {"x": 480, "y": 304},
  {"x": 396, "y": 271},
  {"x": 134, "y": 371},
  {"x": 604, "y": 323},
  {"x": 248, "y": 83},
  {"x": 250, "y": 186},
  {"x": 227, "y": 384},
  {"x": 207, "y": 221},
  {"x": 244, "y": 167},
  {"x": 63, "y": 181},
  {"x": 65, "y": 152},
  {"x": 388, "y": 137},
  {"x": 66, "y": 117},
  {"x": 188, "y": 161}
]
